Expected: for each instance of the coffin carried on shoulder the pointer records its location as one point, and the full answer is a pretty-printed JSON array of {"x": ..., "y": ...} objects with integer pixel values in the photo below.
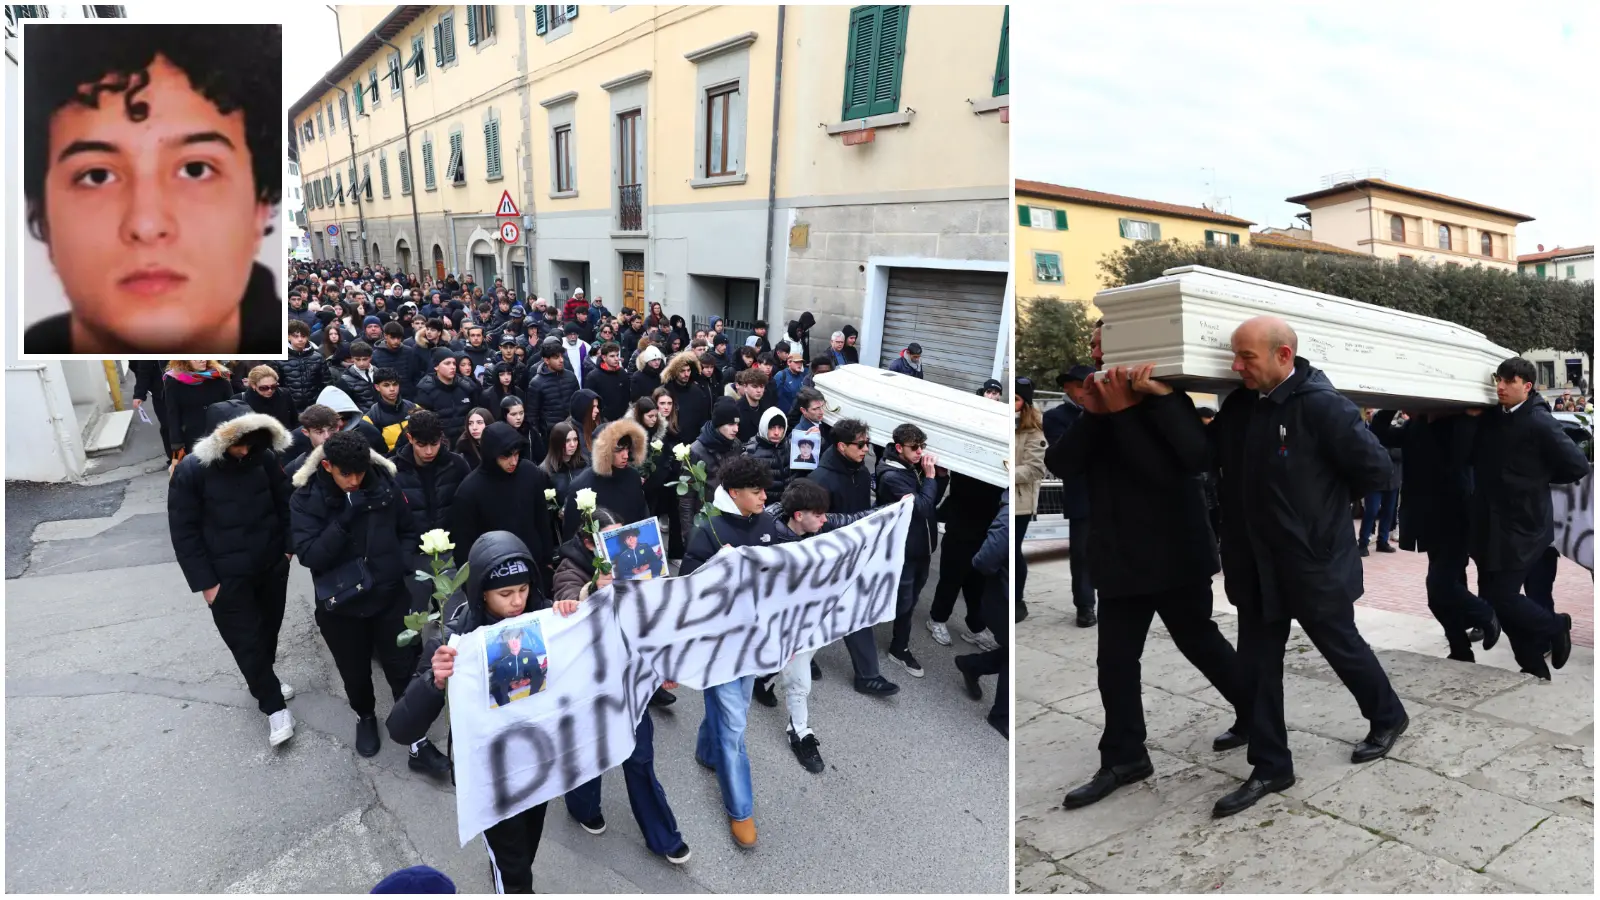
[
  {"x": 1378, "y": 357},
  {"x": 969, "y": 434}
]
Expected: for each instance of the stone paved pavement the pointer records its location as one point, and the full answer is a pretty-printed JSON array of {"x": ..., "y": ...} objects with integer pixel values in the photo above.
[
  {"x": 1491, "y": 790},
  {"x": 128, "y": 729}
]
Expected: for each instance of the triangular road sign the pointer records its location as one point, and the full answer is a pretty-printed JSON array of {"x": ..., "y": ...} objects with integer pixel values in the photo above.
[{"x": 507, "y": 208}]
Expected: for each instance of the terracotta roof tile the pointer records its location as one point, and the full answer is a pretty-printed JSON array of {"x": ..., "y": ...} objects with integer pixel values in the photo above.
[
  {"x": 1557, "y": 253},
  {"x": 1402, "y": 189},
  {"x": 1284, "y": 242},
  {"x": 1117, "y": 201}
]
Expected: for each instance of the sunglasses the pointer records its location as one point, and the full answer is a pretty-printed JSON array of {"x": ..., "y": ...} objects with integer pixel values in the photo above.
[
  {"x": 266, "y": 388},
  {"x": 861, "y": 445}
]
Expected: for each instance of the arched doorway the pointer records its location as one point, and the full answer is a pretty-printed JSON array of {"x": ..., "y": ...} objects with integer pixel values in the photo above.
[
  {"x": 484, "y": 268},
  {"x": 377, "y": 254},
  {"x": 438, "y": 263},
  {"x": 404, "y": 252}
]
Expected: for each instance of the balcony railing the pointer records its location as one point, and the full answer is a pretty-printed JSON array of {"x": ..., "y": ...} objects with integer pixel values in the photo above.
[{"x": 631, "y": 202}]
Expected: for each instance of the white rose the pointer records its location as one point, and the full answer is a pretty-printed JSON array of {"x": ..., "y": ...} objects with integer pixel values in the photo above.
[
  {"x": 436, "y": 541},
  {"x": 656, "y": 446},
  {"x": 586, "y": 500},
  {"x": 550, "y": 493},
  {"x": 681, "y": 452}
]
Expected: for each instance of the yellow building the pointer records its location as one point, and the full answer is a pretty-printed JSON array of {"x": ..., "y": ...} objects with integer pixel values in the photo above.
[
  {"x": 1064, "y": 232},
  {"x": 741, "y": 161},
  {"x": 1395, "y": 222}
]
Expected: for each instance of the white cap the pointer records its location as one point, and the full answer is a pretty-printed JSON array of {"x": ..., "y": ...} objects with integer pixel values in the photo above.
[{"x": 577, "y": 292}]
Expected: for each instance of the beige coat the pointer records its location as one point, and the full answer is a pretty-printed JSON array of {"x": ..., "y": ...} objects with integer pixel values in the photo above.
[{"x": 1028, "y": 471}]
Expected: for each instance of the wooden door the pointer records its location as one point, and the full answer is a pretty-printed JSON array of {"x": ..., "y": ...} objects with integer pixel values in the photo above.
[{"x": 633, "y": 291}]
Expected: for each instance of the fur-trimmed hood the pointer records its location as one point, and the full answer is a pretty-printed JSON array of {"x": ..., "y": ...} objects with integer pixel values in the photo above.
[
  {"x": 612, "y": 435},
  {"x": 214, "y": 446},
  {"x": 688, "y": 359},
  {"x": 302, "y": 476}
]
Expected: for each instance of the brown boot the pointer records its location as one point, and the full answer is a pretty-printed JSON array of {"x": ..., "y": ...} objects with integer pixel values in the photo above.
[{"x": 744, "y": 831}]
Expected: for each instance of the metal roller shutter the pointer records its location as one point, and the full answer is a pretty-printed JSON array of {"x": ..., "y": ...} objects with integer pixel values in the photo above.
[{"x": 954, "y": 315}]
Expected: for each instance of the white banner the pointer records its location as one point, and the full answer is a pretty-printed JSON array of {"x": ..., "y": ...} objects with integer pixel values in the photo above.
[
  {"x": 1572, "y": 506},
  {"x": 540, "y": 704}
]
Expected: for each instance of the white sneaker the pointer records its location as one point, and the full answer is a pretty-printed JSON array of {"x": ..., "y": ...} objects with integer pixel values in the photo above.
[
  {"x": 983, "y": 640},
  {"x": 941, "y": 634},
  {"x": 282, "y": 725},
  {"x": 286, "y": 689}
]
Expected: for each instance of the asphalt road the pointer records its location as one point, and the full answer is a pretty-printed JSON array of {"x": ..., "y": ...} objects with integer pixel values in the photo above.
[{"x": 136, "y": 760}]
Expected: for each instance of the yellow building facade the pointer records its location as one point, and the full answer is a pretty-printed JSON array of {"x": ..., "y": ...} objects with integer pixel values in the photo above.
[
  {"x": 1395, "y": 222},
  {"x": 641, "y": 147},
  {"x": 1063, "y": 233}
]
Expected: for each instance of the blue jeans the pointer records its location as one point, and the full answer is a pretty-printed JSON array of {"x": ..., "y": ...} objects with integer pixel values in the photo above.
[
  {"x": 645, "y": 794},
  {"x": 1379, "y": 511},
  {"x": 720, "y": 744}
]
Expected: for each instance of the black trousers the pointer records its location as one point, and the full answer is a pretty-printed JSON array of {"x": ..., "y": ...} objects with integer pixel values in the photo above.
[
  {"x": 958, "y": 576},
  {"x": 1529, "y": 623},
  {"x": 513, "y": 844},
  {"x": 1454, "y": 606},
  {"x": 1124, "y": 625},
  {"x": 1019, "y": 571},
  {"x": 248, "y": 613},
  {"x": 353, "y": 639},
  {"x": 995, "y": 662},
  {"x": 1261, "y": 648},
  {"x": 1078, "y": 555},
  {"x": 913, "y": 578}
]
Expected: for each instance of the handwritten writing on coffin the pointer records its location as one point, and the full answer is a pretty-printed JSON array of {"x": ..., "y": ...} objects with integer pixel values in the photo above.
[{"x": 744, "y": 612}]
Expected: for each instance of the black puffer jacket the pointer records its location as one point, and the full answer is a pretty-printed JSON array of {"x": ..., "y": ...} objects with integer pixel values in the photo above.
[
  {"x": 450, "y": 402},
  {"x": 404, "y": 361},
  {"x": 325, "y": 533},
  {"x": 849, "y": 485},
  {"x": 693, "y": 400},
  {"x": 1517, "y": 457},
  {"x": 431, "y": 489},
  {"x": 612, "y": 387},
  {"x": 303, "y": 375},
  {"x": 229, "y": 517},
  {"x": 712, "y": 449},
  {"x": 1289, "y": 465},
  {"x": 774, "y": 456},
  {"x": 621, "y": 492},
  {"x": 731, "y": 529},
  {"x": 362, "y": 391},
  {"x": 491, "y": 499},
  {"x": 549, "y": 396},
  {"x": 419, "y": 707},
  {"x": 895, "y": 480}
]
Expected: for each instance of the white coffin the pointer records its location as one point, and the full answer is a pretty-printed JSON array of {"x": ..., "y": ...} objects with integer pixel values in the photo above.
[
  {"x": 969, "y": 434},
  {"x": 1378, "y": 357}
]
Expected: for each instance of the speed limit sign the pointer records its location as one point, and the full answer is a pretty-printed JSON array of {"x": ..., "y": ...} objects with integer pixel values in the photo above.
[{"x": 509, "y": 232}]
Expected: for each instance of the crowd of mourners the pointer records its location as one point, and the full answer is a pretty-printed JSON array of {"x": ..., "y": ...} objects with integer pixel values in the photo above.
[{"x": 407, "y": 406}]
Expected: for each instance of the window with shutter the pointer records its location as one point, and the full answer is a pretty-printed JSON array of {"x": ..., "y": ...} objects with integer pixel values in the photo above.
[
  {"x": 438, "y": 46},
  {"x": 491, "y": 146},
  {"x": 1139, "y": 230},
  {"x": 361, "y": 107},
  {"x": 405, "y": 172},
  {"x": 1061, "y": 220},
  {"x": 332, "y": 125},
  {"x": 372, "y": 88},
  {"x": 338, "y": 182},
  {"x": 327, "y": 190},
  {"x": 488, "y": 21},
  {"x": 394, "y": 74},
  {"x": 472, "y": 25},
  {"x": 344, "y": 109},
  {"x": 383, "y": 174},
  {"x": 1002, "y": 68},
  {"x": 455, "y": 172},
  {"x": 874, "y": 59},
  {"x": 419, "y": 62},
  {"x": 448, "y": 24},
  {"x": 427, "y": 164},
  {"x": 366, "y": 181},
  {"x": 320, "y": 127},
  {"x": 1047, "y": 268}
]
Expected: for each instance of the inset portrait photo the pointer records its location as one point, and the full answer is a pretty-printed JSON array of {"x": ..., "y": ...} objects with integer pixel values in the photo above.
[
  {"x": 635, "y": 551},
  {"x": 805, "y": 447},
  {"x": 152, "y": 174},
  {"x": 517, "y": 662}
]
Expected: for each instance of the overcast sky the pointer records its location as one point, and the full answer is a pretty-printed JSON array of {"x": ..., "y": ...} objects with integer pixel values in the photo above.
[
  {"x": 310, "y": 49},
  {"x": 1145, "y": 98}
]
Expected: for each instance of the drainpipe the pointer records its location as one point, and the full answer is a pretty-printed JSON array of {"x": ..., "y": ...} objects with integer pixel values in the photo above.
[
  {"x": 350, "y": 128},
  {"x": 337, "y": 33},
  {"x": 405, "y": 118},
  {"x": 1372, "y": 236},
  {"x": 772, "y": 180},
  {"x": 452, "y": 220}
]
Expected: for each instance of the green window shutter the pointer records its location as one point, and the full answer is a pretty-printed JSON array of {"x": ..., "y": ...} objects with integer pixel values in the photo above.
[
  {"x": 383, "y": 173},
  {"x": 488, "y": 21},
  {"x": 405, "y": 172},
  {"x": 1155, "y": 231},
  {"x": 1233, "y": 240},
  {"x": 540, "y": 23},
  {"x": 374, "y": 86},
  {"x": 448, "y": 24},
  {"x": 1572, "y": 271},
  {"x": 491, "y": 146},
  {"x": 1211, "y": 238},
  {"x": 1002, "y": 68},
  {"x": 361, "y": 106},
  {"x": 888, "y": 60},
  {"x": 1122, "y": 227},
  {"x": 472, "y": 25},
  {"x": 859, "y": 56},
  {"x": 438, "y": 46},
  {"x": 427, "y": 165},
  {"x": 572, "y": 13},
  {"x": 1022, "y": 216},
  {"x": 1061, "y": 220},
  {"x": 1539, "y": 270}
]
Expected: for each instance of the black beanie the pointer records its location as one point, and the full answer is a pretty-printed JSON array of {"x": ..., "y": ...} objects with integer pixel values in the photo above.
[
  {"x": 724, "y": 413},
  {"x": 514, "y": 571},
  {"x": 1025, "y": 388},
  {"x": 441, "y": 354}
]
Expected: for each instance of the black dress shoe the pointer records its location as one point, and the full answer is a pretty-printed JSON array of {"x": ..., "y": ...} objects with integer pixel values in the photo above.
[
  {"x": 367, "y": 741},
  {"x": 764, "y": 693},
  {"x": 816, "y": 670},
  {"x": 1386, "y": 548},
  {"x": 1490, "y": 633},
  {"x": 1361, "y": 552},
  {"x": 427, "y": 760},
  {"x": 974, "y": 687},
  {"x": 1377, "y": 744},
  {"x": 1021, "y": 612},
  {"x": 1105, "y": 781},
  {"x": 1228, "y": 740},
  {"x": 1087, "y": 618},
  {"x": 1561, "y": 644},
  {"x": 663, "y": 697},
  {"x": 1249, "y": 794},
  {"x": 1464, "y": 656}
]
